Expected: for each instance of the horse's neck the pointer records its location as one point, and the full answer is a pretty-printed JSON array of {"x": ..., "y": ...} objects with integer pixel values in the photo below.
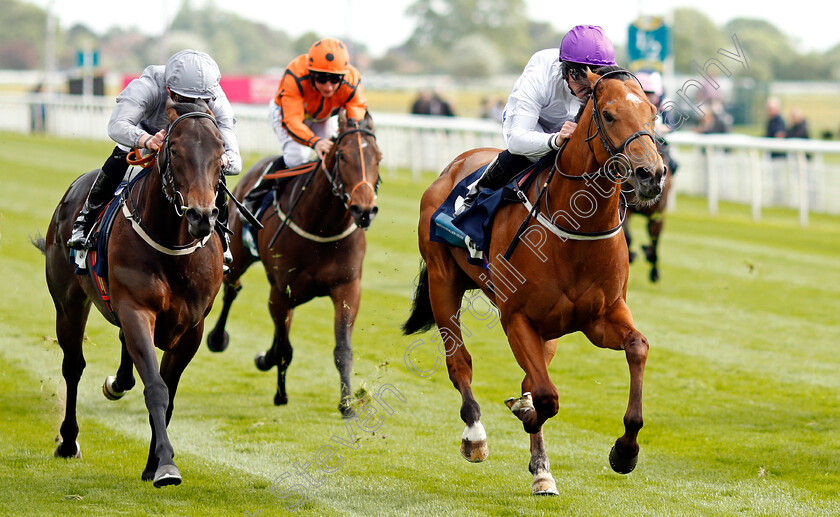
[
  {"x": 324, "y": 210},
  {"x": 588, "y": 205}
]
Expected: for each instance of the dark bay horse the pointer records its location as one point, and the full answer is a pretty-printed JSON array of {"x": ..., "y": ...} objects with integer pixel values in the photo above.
[
  {"x": 164, "y": 270},
  {"x": 655, "y": 215},
  {"x": 568, "y": 274},
  {"x": 319, "y": 251}
]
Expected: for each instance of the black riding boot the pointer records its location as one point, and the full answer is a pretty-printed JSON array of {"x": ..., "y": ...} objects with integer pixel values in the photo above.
[
  {"x": 106, "y": 182},
  {"x": 221, "y": 222},
  {"x": 499, "y": 172},
  {"x": 254, "y": 197}
]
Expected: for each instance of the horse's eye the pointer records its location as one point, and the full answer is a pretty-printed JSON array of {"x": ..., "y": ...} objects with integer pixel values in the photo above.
[{"x": 608, "y": 117}]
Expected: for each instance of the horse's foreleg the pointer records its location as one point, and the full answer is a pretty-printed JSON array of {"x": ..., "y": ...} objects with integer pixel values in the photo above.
[
  {"x": 345, "y": 299},
  {"x": 70, "y": 325},
  {"x": 116, "y": 386},
  {"x": 445, "y": 294},
  {"x": 138, "y": 325},
  {"x": 655, "y": 224},
  {"x": 616, "y": 331},
  {"x": 218, "y": 338}
]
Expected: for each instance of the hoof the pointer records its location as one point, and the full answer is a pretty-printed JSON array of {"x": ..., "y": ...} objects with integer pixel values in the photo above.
[
  {"x": 262, "y": 364},
  {"x": 216, "y": 343},
  {"x": 520, "y": 406},
  {"x": 167, "y": 475},
  {"x": 544, "y": 484},
  {"x": 280, "y": 399},
  {"x": 347, "y": 412},
  {"x": 654, "y": 275},
  {"x": 68, "y": 452},
  {"x": 622, "y": 464},
  {"x": 109, "y": 391},
  {"x": 474, "y": 443}
]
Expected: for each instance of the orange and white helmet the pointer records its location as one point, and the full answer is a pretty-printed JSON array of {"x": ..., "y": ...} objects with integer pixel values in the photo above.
[{"x": 328, "y": 55}]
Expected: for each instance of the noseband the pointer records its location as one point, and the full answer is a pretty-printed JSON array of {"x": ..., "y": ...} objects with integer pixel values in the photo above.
[
  {"x": 164, "y": 165},
  {"x": 334, "y": 177}
]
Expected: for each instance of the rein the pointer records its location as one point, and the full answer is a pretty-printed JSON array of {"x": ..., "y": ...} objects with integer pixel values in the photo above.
[
  {"x": 607, "y": 142},
  {"x": 167, "y": 180},
  {"x": 338, "y": 191}
]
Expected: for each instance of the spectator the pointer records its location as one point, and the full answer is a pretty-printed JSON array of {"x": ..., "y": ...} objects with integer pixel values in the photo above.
[
  {"x": 775, "y": 123},
  {"x": 714, "y": 121},
  {"x": 430, "y": 103},
  {"x": 798, "y": 126}
]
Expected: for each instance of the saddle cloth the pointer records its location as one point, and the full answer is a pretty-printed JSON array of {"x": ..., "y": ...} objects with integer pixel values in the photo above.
[{"x": 472, "y": 229}]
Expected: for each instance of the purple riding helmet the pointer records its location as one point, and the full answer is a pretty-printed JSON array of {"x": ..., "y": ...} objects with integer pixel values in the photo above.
[{"x": 587, "y": 45}]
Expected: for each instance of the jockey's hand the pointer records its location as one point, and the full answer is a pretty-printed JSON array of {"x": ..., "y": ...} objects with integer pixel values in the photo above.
[
  {"x": 565, "y": 132},
  {"x": 153, "y": 142},
  {"x": 225, "y": 162},
  {"x": 322, "y": 147}
]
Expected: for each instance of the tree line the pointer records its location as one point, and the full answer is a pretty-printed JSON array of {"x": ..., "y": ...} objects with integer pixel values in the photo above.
[{"x": 463, "y": 38}]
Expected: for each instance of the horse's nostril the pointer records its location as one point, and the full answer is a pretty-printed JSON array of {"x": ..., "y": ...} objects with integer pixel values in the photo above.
[{"x": 642, "y": 173}]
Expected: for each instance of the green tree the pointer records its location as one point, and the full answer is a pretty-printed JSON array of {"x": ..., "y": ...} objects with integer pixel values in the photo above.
[
  {"x": 22, "y": 28},
  {"x": 696, "y": 38}
]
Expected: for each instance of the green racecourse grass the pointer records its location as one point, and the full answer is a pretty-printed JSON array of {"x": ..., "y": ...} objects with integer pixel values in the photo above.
[{"x": 742, "y": 391}]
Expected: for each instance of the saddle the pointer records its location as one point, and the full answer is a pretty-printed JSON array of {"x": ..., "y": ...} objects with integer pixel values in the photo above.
[
  {"x": 472, "y": 229},
  {"x": 94, "y": 261},
  {"x": 263, "y": 194}
]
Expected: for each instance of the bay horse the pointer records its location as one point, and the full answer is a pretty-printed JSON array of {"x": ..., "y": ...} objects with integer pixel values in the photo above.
[
  {"x": 655, "y": 215},
  {"x": 319, "y": 249},
  {"x": 164, "y": 270},
  {"x": 562, "y": 279}
]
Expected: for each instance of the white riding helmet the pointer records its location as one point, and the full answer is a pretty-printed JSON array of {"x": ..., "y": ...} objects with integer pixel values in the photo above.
[
  {"x": 192, "y": 74},
  {"x": 651, "y": 82}
]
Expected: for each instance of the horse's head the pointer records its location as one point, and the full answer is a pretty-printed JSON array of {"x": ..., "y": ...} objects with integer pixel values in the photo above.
[
  {"x": 624, "y": 128},
  {"x": 190, "y": 164},
  {"x": 354, "y": 162}
]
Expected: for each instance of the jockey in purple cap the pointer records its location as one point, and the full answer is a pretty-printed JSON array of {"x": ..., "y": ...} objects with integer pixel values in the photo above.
[{"x": 545, "y": 100}]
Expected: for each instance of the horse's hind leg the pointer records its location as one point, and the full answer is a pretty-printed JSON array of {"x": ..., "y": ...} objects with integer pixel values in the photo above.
[
  {"x": 115, "y": 387},
  {"x": 218, "y": 338},
  {"x": 446, "y": 289},
  {"x": 345, "y": 299},
  {"x": 655, "y": 224},
  {"x": 70, "y": 329}
]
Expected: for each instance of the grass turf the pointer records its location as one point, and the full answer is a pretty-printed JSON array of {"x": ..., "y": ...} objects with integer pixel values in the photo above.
[{"x": 741, "y": 391}]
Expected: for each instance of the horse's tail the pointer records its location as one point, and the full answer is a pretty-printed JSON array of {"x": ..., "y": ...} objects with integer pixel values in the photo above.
[
  {"x": 421, "y": 318},
  {"x": 39, "y": 242}
]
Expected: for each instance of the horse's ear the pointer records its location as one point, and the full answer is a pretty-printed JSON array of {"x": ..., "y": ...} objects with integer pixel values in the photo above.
[
  {"x": 592, "y": 76},
  {"x": 203, "y": 105},
  {"x": 367, "y": 122},
  {"x": 342, "y": 120},
  {"x": 170, "y": 109}
]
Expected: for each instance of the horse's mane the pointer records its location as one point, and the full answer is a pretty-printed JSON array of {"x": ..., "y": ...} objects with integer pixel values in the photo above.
[{"x": 182, "y": 108}]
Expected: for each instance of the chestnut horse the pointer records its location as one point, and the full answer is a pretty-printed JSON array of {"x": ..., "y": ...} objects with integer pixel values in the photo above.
[
  {"x": 655, "y": 214},
  {"x": 319, "y": 249},
  {"x": 551, "y": 285},
  {"x": 164, "y": 270}
]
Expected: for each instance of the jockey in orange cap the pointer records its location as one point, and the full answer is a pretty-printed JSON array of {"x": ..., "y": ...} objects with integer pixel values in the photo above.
[{"x": 314, "y": 87}]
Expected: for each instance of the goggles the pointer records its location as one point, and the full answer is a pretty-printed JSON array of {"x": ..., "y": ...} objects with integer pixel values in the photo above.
[{"x": 325, "y": 77}]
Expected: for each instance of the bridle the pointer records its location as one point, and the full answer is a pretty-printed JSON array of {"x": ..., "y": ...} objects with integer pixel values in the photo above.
[
  {"x": 334, "y": 177},
  {"x": 612, "y": 149},
  {"x": 164, "y": 168},
  {"x": 164, "y": 165},
  {"x": 601, "y": 133}
]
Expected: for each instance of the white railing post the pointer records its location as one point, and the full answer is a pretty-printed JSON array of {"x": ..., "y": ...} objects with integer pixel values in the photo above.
[
  {"x": 712, "y": 179},
  {"x": 755, "y": 183},
  {"x": 803, "y": 188}
]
